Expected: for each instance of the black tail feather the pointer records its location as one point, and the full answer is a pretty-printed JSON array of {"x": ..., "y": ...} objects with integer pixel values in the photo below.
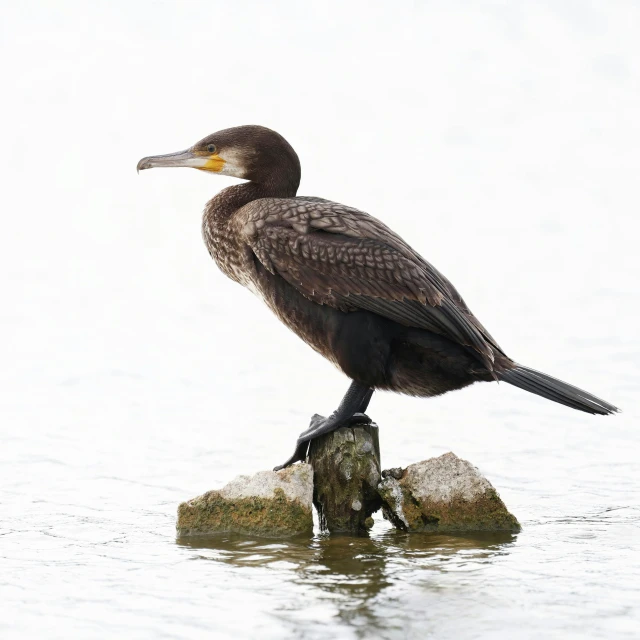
[{"x": 553, "y": 389}]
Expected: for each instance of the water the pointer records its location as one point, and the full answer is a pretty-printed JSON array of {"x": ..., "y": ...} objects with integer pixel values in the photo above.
[
  {"x": 503, "y": 145},
  {"x": 88, "y": 549}
]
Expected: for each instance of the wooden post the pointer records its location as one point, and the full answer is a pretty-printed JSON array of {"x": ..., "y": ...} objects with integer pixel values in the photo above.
[{"x": 346, "y": 467}]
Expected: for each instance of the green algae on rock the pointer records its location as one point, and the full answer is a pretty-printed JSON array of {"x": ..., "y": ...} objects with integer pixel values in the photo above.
[
  {"x": 444, "y": 494},
  {"x": 268, "y": 503}
]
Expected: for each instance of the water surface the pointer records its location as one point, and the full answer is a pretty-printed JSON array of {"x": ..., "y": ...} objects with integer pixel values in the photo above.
[{"x": 501, "y": 141}]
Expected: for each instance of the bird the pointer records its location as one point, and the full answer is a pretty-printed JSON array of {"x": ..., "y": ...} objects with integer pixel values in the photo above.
[{"x": 347, "y": 285}]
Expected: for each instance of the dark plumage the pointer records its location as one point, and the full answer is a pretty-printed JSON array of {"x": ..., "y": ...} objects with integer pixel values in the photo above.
[{"x": 346, "y": 284}]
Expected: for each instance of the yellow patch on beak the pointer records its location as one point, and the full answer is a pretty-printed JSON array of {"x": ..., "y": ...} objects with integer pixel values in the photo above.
[{"x": 213, "y": 163}]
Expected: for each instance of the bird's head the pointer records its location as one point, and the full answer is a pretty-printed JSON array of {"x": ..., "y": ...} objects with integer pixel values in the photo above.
[{"x": 250, "y": 152}]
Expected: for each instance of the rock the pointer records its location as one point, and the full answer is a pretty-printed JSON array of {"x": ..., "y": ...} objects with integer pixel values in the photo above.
[
  {"x": 268, "y": 503},
  {"x": 346, "y": 467},
  {"x": 444, "y": 494}
]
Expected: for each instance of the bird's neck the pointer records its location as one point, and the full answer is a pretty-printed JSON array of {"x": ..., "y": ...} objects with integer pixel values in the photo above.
[
  {"x": 221, "y": 242},
  {"x": 222, "y": 206}
]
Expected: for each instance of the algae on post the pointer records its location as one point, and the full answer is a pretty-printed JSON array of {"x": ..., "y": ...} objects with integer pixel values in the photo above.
[{"x": 346, "y": 465}]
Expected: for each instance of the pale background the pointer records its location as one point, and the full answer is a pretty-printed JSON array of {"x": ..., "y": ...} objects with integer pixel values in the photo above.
[{"x": 500, "y": 139}]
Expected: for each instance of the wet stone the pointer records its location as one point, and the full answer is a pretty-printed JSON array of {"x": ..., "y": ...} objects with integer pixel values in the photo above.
[
  {"x": 268, "y": 503},
  {"x": 444, "y": 494},
  {"x": 396, "y": 473}
]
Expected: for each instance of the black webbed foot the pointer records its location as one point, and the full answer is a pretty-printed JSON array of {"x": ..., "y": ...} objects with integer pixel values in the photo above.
[
  {"x": 350, "y": 412},
  {"x": 299, "y": 455},
  {"x": 318, "y": 426},
  {"x": 317, "y": 421},
  {"x": 359, "y": 418}
]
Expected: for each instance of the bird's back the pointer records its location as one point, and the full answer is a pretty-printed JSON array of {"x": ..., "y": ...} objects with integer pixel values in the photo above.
[{"x": 342, "y": 257}]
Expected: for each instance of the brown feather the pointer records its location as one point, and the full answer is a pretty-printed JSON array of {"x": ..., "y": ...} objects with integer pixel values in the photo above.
[{"x": 340, "y": 256}]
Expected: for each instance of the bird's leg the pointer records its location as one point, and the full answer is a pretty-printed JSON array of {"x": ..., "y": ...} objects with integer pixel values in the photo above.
[
  {"x": 350, "y": 411},
  {"x": 365, "y": 403},
  {"x": 358, "y": 418}
]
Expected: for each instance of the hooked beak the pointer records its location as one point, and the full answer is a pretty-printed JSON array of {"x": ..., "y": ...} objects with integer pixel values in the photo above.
[{"x": 183, "y": 159}]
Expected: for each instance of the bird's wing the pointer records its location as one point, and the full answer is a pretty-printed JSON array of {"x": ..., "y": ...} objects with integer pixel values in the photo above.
[{"x": 341, "y": 257}]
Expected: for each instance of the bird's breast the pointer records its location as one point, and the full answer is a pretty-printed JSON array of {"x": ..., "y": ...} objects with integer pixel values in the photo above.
[
  {"x": 310, "y": 321},
  {"x": 225, "y": 249},
  {"x": 314, "y": 323}
]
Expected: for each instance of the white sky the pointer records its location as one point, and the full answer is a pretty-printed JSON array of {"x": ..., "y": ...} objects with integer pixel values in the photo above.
[{"x": 501, "y": 139}]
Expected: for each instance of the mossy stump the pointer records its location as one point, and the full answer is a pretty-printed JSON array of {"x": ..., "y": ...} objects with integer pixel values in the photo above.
[{"x": 346, "y": 470}]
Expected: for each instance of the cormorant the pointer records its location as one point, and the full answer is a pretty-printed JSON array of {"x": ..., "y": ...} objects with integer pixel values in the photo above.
[{"x": 346, "y": 284}]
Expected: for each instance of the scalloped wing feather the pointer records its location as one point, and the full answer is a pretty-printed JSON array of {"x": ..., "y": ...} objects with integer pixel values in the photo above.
[{"x": 345, "y": 258}]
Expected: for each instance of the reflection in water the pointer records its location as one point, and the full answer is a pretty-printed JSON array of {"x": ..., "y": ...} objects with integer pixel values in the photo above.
[{"x": 354, "y": 572}]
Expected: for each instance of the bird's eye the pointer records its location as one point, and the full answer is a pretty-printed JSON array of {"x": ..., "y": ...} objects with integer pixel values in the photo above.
[{"x": 211, "y": 148}]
